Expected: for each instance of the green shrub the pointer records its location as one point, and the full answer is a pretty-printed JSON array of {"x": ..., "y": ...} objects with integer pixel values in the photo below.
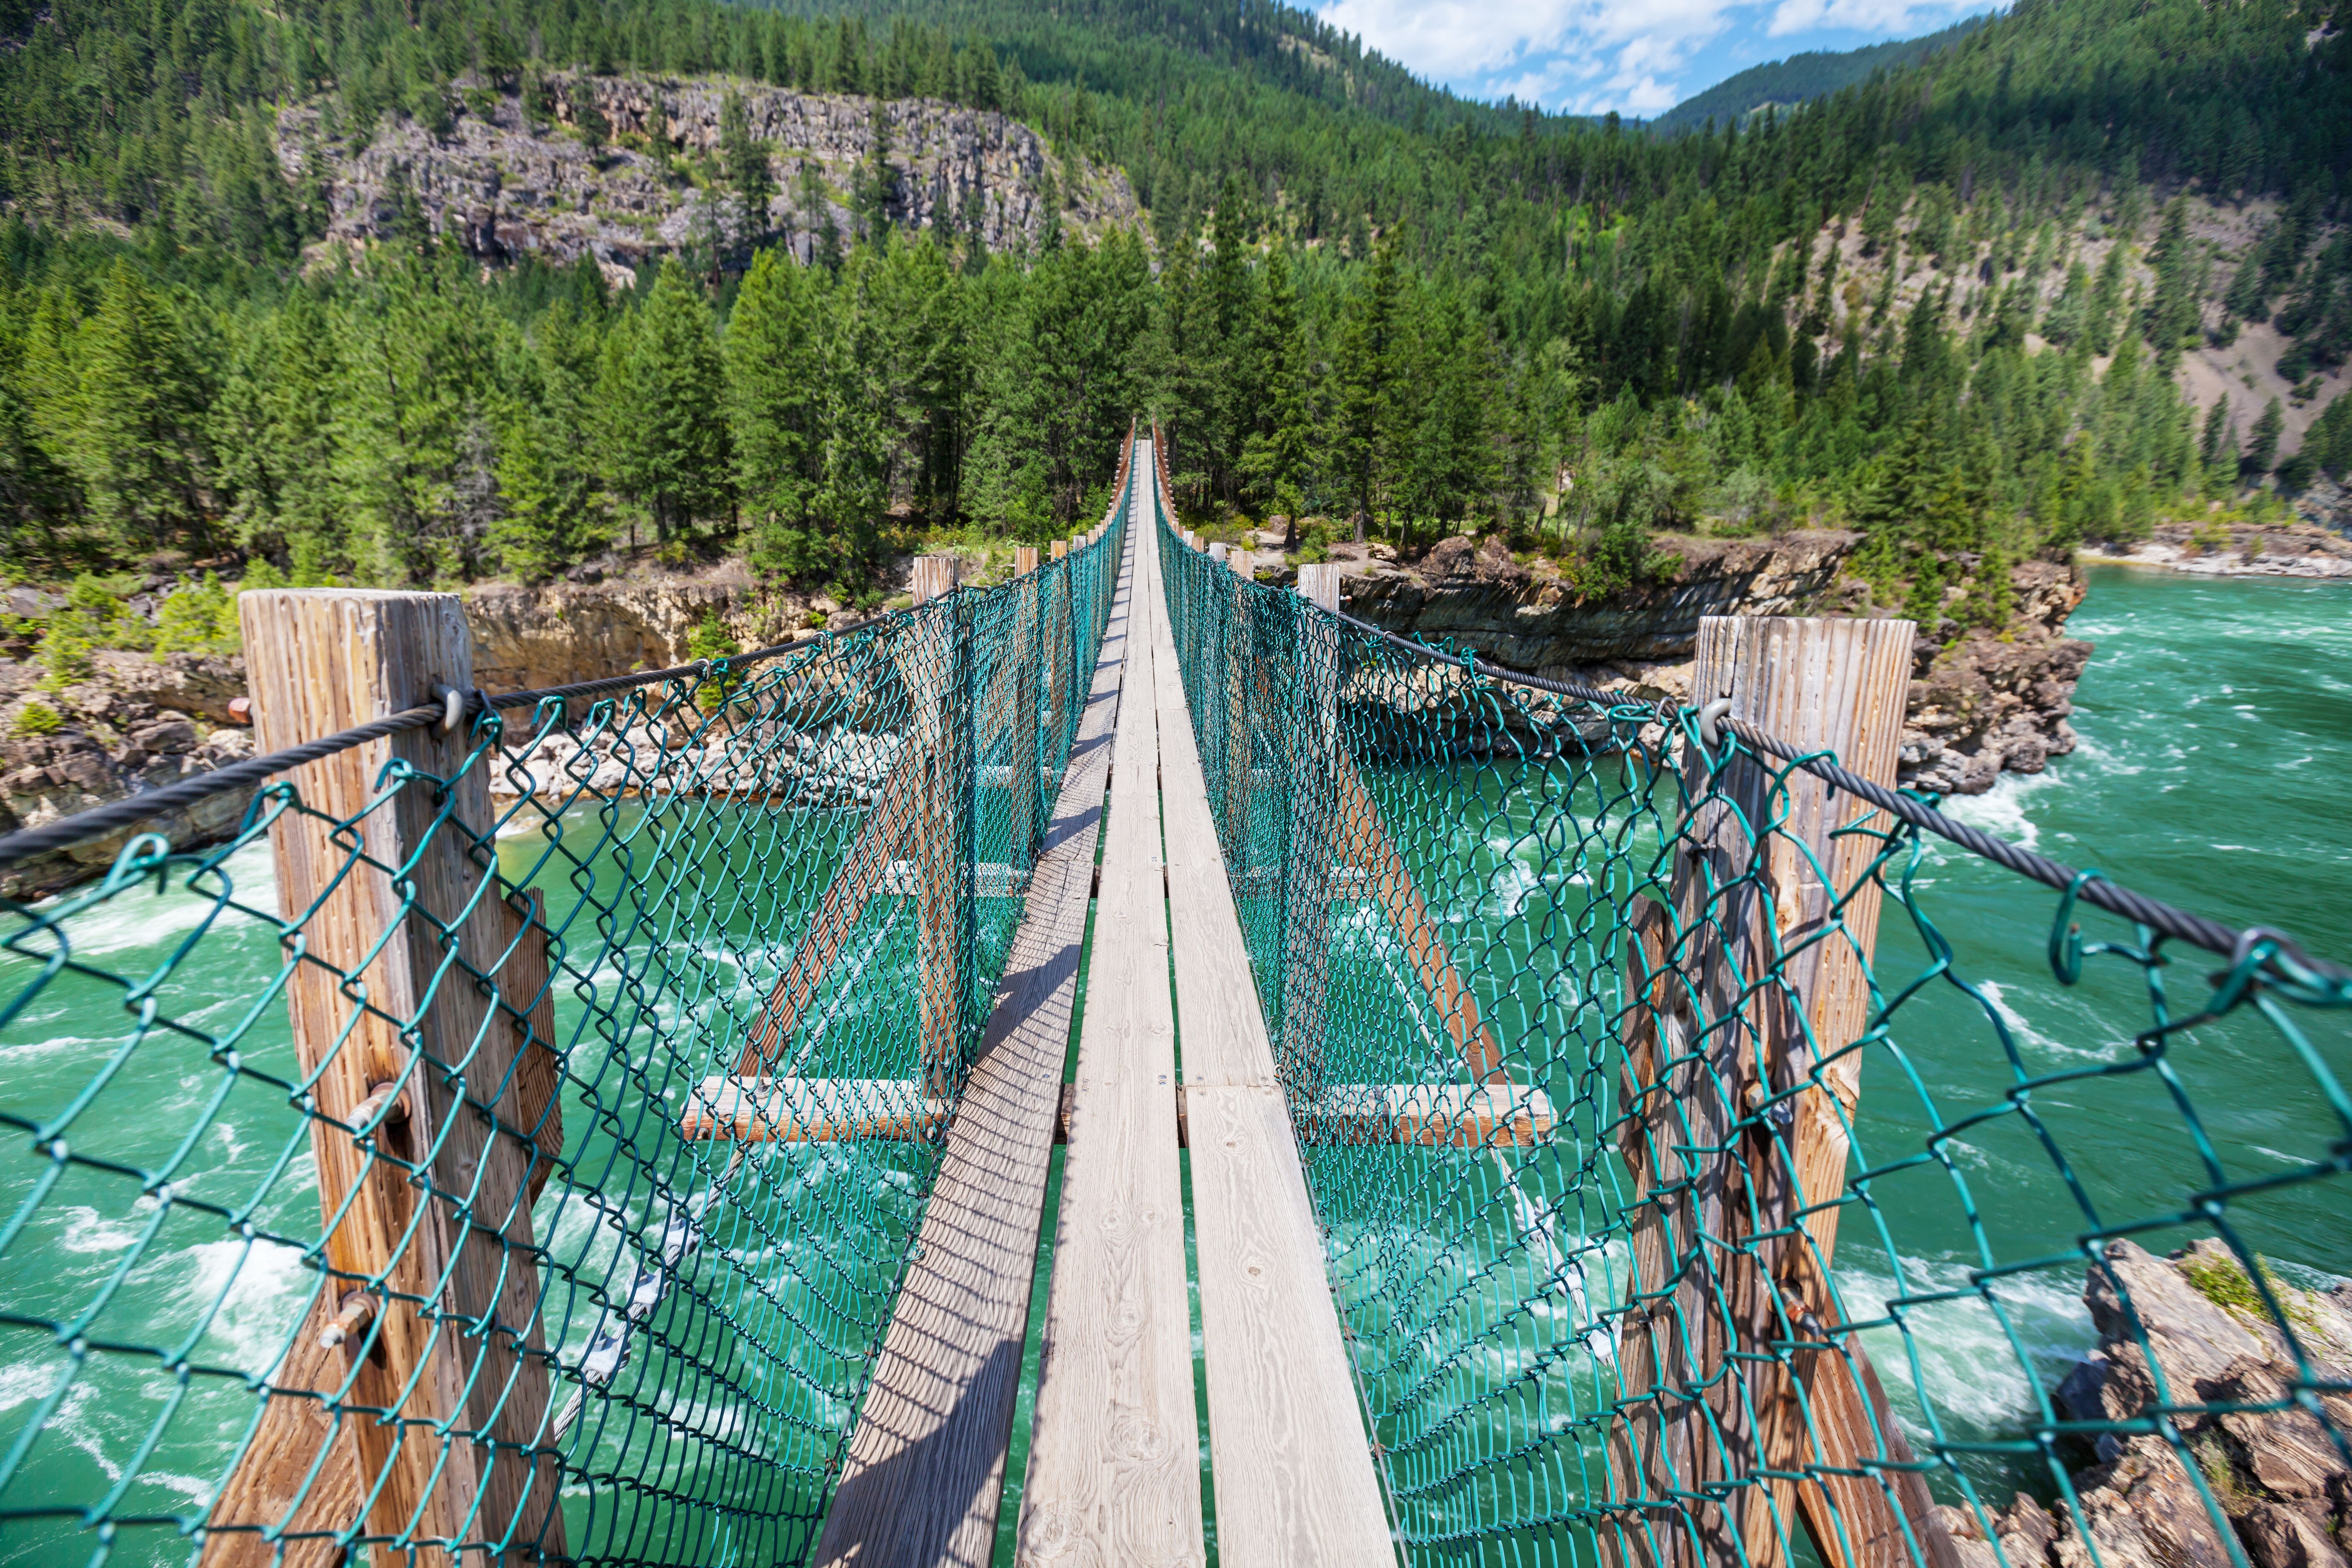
[
  {"x": 709, "y": 638},
  {"x": 198, "y": 617},
  {"x": 39, "y": 718},
  {"x": 72, "y": 636}
]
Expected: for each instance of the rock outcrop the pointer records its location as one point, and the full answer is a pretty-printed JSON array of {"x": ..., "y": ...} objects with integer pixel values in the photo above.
[
  {"x": 137, "y": 724},
  {"x": 1531, "y": 618},
  {"x": 1990, "y": 704},
  {"x": 1978, "y": 706},
  {"x": 563, "y": 632},
  {"x": 503, "y": 187},
  {"x": 2278, "y": 1475},
  {"x": 141, "y": 721}
]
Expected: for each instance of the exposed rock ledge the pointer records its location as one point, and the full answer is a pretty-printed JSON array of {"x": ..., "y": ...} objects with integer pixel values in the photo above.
[
  {"x": 2293, "y": 550},
  {"x": 2280, "y": 1479},
  {"x": 1984, "y": 705}
]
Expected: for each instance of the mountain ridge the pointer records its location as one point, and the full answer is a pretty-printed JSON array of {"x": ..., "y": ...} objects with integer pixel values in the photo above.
[{"x": 1802, "y": 78}]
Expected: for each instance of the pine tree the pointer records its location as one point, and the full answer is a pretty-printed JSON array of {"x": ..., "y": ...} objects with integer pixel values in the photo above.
[
  {"x": 1277, "y": 454},
  {"x": 137, "y": 444},
  {"x": 671, "y": 447},
  {"x": 1364, "y": 394},
  {"x": 746, "y": 159},
  {"x": 2262, "y": 444},
  {"x": 776, "y": 404},
  {"x": 2220, "y": 445}
]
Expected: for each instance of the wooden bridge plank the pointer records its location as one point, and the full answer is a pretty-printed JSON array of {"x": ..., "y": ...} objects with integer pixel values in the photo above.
[
  {"x": 925, "y": 1471},
  {"x": 1114, "y": 1466},
  {"x": 1294, "y": 1483}
]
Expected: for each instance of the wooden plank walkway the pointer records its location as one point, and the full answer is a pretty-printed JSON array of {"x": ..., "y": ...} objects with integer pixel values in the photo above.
[
  {"x": 1295, "y": 1481},
  {"x": 925, "y": 1470},
  {"x": 1114, "y": 1472},
  {"x": 1114, "y": 1463}
]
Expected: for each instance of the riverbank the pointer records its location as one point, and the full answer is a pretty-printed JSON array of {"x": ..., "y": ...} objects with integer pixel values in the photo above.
[
  {"x": 1981, "y": 703},
  {"x": 2208, "y": 549}
]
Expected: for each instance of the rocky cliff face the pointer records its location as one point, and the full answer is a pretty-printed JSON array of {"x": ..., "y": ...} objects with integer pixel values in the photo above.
[
  {"x": 1981, "y": 705},
  {"x": 503, "y": 187},
  {"x": 565, "y": 632}
]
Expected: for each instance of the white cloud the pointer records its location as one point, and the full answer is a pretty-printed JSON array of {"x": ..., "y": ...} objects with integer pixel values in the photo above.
[
  {"x": 1538, "y": 52},
  {"x": 1589, "y": 57},
  {"x": 1456, "y": 38},
  {"x": 1861, "y": 15}
]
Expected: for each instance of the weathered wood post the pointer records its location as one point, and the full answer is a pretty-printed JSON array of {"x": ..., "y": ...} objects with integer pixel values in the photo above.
[
  {"x": 934, "y": 577},
  {"x": 942, "y": 733},
  {"x": 1313, "y": 762},
  {"x": 1029, "y": 670},
  {"x": 433, "y": 1320},
  {"x": 1741, "y": 1001},
  {"x": 1244, "y": 667}
]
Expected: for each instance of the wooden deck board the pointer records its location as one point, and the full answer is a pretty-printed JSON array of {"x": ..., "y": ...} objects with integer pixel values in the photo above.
[
  {"x": 925, "y": 1471},
  {"x": 1295, "y": 1481},
  {"x": 1114, "y": 1466}
]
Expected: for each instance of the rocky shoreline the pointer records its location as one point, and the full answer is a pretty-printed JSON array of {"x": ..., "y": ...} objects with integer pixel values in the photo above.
[
  {"x": 2277, "y": 1474},
  {"x": 2297, "y": 550},
  {"x": 1977, "y": 707}
]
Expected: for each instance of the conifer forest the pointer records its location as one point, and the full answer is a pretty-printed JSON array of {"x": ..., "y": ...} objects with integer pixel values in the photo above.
[{"x": 1962, "y": 305}]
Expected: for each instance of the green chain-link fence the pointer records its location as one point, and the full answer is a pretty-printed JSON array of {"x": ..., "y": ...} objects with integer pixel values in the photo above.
[
  {"x": 624, "y": 1115},
  {"x": 1651, "y": 1249}
]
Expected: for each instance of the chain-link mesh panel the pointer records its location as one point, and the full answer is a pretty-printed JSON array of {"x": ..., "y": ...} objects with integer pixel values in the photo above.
[
  {"x": 1637, "y": 1264},
  {"x": 566, "y": 1220}
]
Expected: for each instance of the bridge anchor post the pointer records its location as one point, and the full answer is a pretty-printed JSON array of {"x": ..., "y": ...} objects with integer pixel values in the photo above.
[{"x": 1742, "y": 998}]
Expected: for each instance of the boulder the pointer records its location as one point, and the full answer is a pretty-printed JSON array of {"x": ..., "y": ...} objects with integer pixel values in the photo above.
[{"x": 2189, "y": 1336}]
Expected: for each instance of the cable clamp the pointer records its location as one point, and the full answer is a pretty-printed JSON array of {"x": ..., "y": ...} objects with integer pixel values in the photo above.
[{"x": 453, "y": 707}]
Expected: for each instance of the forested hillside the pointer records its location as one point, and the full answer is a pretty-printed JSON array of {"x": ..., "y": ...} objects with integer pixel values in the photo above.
[
  {"x": 1954, "y": 306},
  {"x": 1800, "y": 79}
]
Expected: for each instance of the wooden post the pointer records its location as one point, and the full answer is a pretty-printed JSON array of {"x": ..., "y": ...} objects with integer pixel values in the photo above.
[
  {"x": 1061, "y": 550},
  {"x": 1737, "y": 1101},
  {"x": 1024, "y": 560},
  {"x": 1242, "y": 667},
  {"x": 1319, "y": 584},
  {"x": 1217, "y": 553},
  {"x": 431, "y": 1204},
  {"x": 935, "y": 577},
  {"x": 1026, "y": 654},
  {"x": 1315, "y": 745},
  {"x": 934, "y": 659}
]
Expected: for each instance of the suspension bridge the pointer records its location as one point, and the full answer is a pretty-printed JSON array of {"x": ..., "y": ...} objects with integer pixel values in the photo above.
[{"x": 1125, "y": 1065}]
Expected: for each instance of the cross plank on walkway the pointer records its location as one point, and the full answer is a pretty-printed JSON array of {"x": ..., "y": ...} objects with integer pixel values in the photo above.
[
  {"x": 1114, "y": 1465},
  {"x": 925, "y": 1469},
  {"x": 1294, "y": 1483}
]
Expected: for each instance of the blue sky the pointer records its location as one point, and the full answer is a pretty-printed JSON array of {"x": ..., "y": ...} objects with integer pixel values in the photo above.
[{"x": 1637, "y": 57}]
